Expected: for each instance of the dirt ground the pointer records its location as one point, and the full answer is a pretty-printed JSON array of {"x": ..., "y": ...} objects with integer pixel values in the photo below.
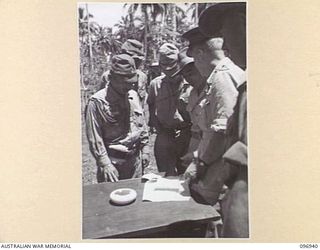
[{"x": 89, "y": 165}]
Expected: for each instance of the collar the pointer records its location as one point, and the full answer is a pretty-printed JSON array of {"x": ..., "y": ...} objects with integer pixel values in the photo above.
[
  {"x": 112, "y": 96},
  {"x": 224, "y": 64},
  {"x": 107, "y": 96},
  {"x": 237, "y": 74}
]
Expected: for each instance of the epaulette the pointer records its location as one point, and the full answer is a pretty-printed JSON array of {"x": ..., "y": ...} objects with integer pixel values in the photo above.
[{"x": 103, "y": 105}]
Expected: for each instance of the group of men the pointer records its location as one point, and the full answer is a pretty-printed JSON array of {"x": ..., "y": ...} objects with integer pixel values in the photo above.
[{"x": 197, "y": 107}]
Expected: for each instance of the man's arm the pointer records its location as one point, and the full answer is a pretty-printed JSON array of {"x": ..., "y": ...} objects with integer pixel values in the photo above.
[
  {"x": 138, "y": 127},
  {"x": 142, "y": 86},
  {"x": 237, "y": 153},
  {"x": 152, "y": 107},
  {"x": 96, "y": 144},
  {"x": 222, "y": 101},
  {"x": 145, "y": 148}
]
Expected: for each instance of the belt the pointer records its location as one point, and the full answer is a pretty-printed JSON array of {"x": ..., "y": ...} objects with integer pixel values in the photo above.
[{"x": 186, "y": 126}]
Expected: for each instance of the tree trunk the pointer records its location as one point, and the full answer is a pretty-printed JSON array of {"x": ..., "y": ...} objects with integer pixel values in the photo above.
[
  {"x": 146, "y": 30},
  {"x": 89, "y": 39},
  {"x": 173, "y": 14}
]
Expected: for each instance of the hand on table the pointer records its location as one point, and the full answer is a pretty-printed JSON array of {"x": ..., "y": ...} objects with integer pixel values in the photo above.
[
  {"x": 191, "y": 171},
  {"x": 110, "y": 173},
  {"x": 145, "y": 160}
]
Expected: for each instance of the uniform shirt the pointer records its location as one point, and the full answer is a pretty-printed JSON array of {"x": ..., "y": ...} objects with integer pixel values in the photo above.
[
  {"x": 104, "y": 79},
  {"x": 192, "y": 108},
  {"x": 237, "y": 139},
  {"x": 142, "y": 85},
  {"x": 167, "y": 99},
  {"x": 109, "y": 120},
  {"x": 215, "y": 107}
]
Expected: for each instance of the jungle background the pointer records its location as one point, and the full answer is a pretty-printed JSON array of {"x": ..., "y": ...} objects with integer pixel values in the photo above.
[{"x": 152, "y": 24}]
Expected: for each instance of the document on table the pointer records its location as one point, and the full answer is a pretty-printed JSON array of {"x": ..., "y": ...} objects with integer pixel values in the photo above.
[{"x": 163, "y": 189}]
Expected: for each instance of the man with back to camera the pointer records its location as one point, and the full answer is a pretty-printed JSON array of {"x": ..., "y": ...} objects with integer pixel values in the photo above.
[
  {"x": 116, "y": 127},
  {"x": 216, "y": 106},
  {"x": 230, "y": 20}
]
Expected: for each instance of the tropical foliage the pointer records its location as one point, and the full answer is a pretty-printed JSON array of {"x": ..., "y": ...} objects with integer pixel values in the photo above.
[{"x": 150, "y": 23}]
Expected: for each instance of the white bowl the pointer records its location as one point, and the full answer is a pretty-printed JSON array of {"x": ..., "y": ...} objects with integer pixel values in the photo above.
[{"x": 123, "y": 196}]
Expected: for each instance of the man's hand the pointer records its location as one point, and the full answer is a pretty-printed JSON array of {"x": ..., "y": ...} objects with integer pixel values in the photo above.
[
  {"x": 145, "y": 160},
  {"x": 191, "y": 171},
  {"x": 110, "y": 173},
  {"x": 187, "y": 159},
  {"x": 119, "y": 147}
]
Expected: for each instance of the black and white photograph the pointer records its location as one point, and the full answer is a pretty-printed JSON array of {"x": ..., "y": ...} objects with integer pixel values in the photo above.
[{"x": 164, "y": 120}]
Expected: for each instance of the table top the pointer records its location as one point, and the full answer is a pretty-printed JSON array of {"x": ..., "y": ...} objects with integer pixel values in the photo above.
[{"x": 102, "y": 219}]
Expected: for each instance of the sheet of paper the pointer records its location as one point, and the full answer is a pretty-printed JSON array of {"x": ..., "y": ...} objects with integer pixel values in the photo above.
[{"x": 163, "y": 189}]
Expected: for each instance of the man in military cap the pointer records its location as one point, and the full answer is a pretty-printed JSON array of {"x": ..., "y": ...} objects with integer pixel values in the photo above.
[
  {"x": 135, "y": 49},
  {"x": 215, "y": 107},
  {"x": 167, "y": 101},
  {"x": 230, "y": 20},
  {"x": 191, "y": 74},
  {"x": 116, "y": 127}
]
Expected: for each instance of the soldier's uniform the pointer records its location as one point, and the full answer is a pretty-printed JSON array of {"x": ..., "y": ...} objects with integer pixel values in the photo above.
[
  {"x": 193, "y": 76},
  {"x": 235, "y": 204},
  {"x": 114, "y": 119},
  {"x": 215, "y": 106},
  {"x": 192, "y": 108},
  {"x": 167, "y": 101},
  {"x": 135, "y": 49}
]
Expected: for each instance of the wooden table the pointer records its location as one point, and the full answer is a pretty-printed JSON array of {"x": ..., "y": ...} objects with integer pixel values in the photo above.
[{"x": 101, "y": 219}]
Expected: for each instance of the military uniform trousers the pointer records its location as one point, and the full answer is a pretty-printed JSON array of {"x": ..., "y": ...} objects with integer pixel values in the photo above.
[{"x": 169, "y": 147}]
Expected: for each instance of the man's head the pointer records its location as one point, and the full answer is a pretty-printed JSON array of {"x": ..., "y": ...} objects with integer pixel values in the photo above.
[
  {"x": 134, "y": 49},
  {"x": 205, "y": 50},
  {"x": 168, "y": 60},
  {"x": 123, "y": 74},
  {"x": 230, "y": 20},
  {"x": 188, "y": 70}
]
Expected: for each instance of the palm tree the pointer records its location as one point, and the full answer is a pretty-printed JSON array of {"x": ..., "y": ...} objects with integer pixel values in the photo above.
[
  {"x": 174, "y": 19},
  {"x": 150, "y": 12},
  {"x": 84, "y": 35},
  {"x": 160, "y": 22},
  {"x": 123, "y": 27},
  {"x": 87, "y": 30},
  {"x": 197, "y": 9},
  {"x": 105, "y": 42},
  {"x": 83, "y": 21},
  {"x": 130, "y": 27}
]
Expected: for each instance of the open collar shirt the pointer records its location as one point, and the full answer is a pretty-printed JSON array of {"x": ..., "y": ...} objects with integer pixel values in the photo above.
[
  {"x": 109, "y": 121},
  {"x": 215, "y": 106}
]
